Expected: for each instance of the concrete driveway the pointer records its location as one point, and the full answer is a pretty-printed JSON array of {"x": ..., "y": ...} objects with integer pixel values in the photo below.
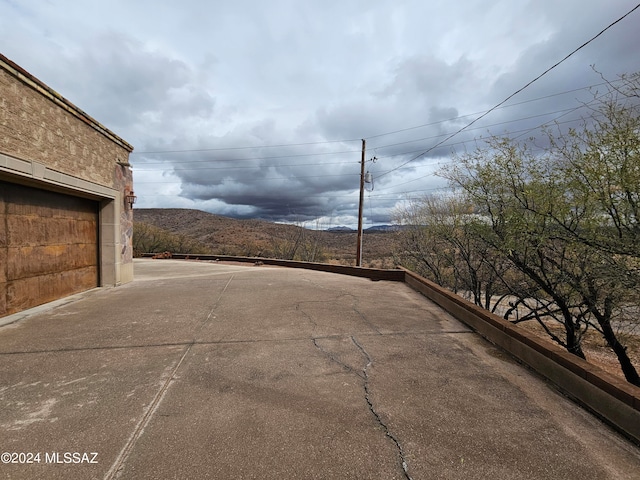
[{"x": 212, "y": 371}]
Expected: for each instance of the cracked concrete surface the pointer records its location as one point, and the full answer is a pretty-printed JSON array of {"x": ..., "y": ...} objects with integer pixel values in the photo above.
[
  {"x": 364, "y": 376},
  {"x": 367, "y": 396},
  {"x": 200, "y": 370}
]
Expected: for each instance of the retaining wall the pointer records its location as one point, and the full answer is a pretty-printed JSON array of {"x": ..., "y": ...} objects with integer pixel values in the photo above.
[
  {"x": 372, "y": 273},
  {"x": 611, "y": 398}
]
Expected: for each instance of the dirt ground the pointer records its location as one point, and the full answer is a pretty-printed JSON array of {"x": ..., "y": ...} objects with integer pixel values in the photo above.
[{"x": 596, "y": 349}]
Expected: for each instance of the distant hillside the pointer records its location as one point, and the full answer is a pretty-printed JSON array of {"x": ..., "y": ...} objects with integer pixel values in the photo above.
[
  {"x": 230, "y": 236},
  {"x": 375, "y": 228}
]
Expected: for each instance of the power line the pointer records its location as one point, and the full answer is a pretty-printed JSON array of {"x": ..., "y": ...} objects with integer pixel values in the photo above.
[
  {"x": 245, "y": 148},
  {"x": 202, "y": 150},
  {"x": 387, "y": 196},
  {"x": 238, "y": 167},
  {"x": 317, "y": 154},
  {"x": 174, "y": 162},
  {"x": 521, "y": 132},
  {"x": 512, "y": 134},
  {"x": 246, "y": 167},
  {"x": 459, "y": 117},
  {"x": 566, "y": 110},
  {"x": 449, "y": 137},
  {"x": 461, "y": 142},
  {"x": 342, "y": 175},
  {"x": 520, "y": 89}
]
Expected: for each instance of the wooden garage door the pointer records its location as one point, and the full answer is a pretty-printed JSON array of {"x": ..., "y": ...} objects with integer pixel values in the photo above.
[{"x": 48, "y": 246}]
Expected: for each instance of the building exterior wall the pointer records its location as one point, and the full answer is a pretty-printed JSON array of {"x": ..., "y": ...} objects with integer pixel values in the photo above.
[
  {"x": 48, "y": 143},
  {"x": 35, "y": 128}
]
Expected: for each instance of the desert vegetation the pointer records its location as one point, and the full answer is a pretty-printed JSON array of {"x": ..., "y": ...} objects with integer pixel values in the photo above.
[
  {"x": 197, "y": 232},
  {"x": 148, "y": 238},
  {"x": 545, "y": 234}
]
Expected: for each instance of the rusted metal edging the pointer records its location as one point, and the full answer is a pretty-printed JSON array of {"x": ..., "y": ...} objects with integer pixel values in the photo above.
[{"x": 610, "y": 397}]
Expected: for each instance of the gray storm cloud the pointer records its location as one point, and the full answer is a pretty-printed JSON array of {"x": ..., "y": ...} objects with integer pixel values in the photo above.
[{"x": 256, "y": 109}]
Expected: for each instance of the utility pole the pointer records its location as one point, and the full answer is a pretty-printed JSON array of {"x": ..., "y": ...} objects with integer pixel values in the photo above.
[{"x": 360, "y": 207}]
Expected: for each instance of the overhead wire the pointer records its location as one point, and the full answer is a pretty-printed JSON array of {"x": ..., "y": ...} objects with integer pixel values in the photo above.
[
  {"x": 155, "y": 152},
  {"x": 315, "y": 154},
  {"x": 511, "y": 134},
  {"x": 341, "y": 175},
  {"x": 249, "y": 167},
  {"x": 440, "y": 143},
  {"x": 459, "y": 117},
  {"x": 507, "y": 122},
  {"x": 520, "y": 89},
  {"x": 253, "y": 147},
  {"x": 294, "y": 177},
  {"x": 379, "y": 156}
]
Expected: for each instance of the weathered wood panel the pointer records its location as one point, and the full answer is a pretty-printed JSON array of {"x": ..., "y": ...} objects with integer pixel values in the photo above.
[{"x": 48, "y": 246}]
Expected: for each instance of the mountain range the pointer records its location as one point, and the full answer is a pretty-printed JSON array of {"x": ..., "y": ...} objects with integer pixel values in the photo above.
[{"x": 249, "y": 237}]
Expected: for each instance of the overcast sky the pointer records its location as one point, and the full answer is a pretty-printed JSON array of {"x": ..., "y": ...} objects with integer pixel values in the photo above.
[{"x": 256, "y": 109}]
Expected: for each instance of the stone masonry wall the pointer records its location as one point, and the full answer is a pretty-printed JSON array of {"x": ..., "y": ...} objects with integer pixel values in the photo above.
[
  {"x": 124, "y": 182},
  {"x": 32, "y": 127},
  {"x": 44, "y": 131}
]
